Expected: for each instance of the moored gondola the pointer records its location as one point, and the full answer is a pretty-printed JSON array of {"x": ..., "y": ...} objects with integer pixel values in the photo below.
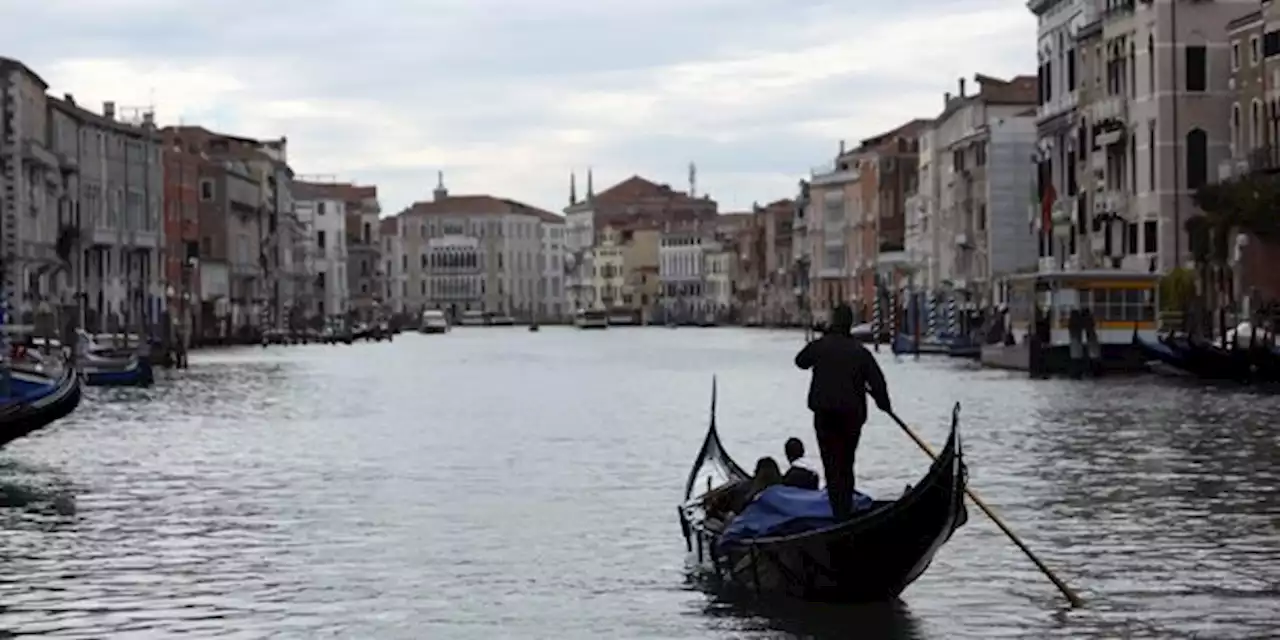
[
  {"x": 874, "y": 556},
  {"x": 36, "y": 400},
  {"x": 1199, "y": 358}
]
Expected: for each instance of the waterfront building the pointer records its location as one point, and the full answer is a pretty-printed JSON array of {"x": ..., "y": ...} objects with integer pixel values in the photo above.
[
  {"x": 365, "y": 278},
  {"x": 80, "y": 198},
  {"x": 681, "y": 270},
  {"x": 474, "y": 253},
  {"x": 1254, "y": 136},
  {"x": 888, "y": 177},
  {"x": 395, "y": 266},
  {"x": 552, "y": 303},
  {"x": 1056, "y": 127},
  {"x": 631, "y": 201},
  {"x": 321, "y": 208},
  {"x": 719, "y": 264},
  {"x": 969, "y": 223},
  {"x": 608, "y": 272},
  {"x": 246, "y": 215},
  {"x": 182, "y": 170},
  {"x": 770, "y": 273},
  {"x": 1156, "y": 125},
  {"x": 833, "y": 209},
  {"x": 642, "y": 287}
]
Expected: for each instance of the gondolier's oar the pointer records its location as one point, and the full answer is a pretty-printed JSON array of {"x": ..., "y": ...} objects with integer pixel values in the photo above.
[{"x": 1070, "y": 594}]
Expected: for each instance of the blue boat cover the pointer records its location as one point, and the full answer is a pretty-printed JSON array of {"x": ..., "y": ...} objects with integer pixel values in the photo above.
[{"x": 783, "y": 510}]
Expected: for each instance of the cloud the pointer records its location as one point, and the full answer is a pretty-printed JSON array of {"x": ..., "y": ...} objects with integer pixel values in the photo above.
[{"x": 508, "y": 97}]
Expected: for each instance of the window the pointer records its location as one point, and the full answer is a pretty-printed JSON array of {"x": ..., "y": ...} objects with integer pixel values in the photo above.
[
  {"x": 1151, "y": 154},
  {"x": 1151, "y": 63},
  {"x": 320, "y": 240},
  {"x": 1255, "y": 125},
  {"x": 1150, "y": 236},
  {"x": 1235, "y": 128},
  {"x": 206, "y": 190},
  {"x": 1131, "y": 238},
  {"x": 368, "y": 233},
  {"x": 1255, "y": 51},
  {"x": 1270, "y": 44},
  {"x": 1071, "y": 70},
  {"x": 1197, "y": 77},
  {"x": 1235, "y": 55},
  {"x": 1048, "y": 81},
  {"x": 1197, "y": 159}
]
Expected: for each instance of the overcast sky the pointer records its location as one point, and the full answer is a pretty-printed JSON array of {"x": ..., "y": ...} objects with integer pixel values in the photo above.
[{"x": 508, "y": 97}]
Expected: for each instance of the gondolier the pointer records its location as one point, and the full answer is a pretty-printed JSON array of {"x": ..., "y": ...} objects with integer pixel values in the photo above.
[{"x": 844, "y": 372}]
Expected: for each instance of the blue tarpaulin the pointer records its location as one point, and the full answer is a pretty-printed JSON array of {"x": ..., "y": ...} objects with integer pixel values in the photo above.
[{"x": 782, "y": 510}]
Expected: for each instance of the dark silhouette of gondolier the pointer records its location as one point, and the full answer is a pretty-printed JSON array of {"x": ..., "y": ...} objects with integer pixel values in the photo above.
[{"x": 844, "y": 372}]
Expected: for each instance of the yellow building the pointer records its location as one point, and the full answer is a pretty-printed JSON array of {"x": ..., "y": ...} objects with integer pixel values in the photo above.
[{"x": 641, "y": 286}]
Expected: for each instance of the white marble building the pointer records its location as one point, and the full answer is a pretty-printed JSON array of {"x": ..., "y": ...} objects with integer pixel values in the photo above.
[{"x": 321, "y": 209}]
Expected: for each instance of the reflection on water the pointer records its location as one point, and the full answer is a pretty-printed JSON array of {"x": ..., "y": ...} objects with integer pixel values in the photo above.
[
  {"x": 883, "y": 621},
  {"x": 500, "y": 483}
]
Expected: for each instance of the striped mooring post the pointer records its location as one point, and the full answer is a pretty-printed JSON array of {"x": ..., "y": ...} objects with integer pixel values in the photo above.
[
  {"x": 953, "y": 319},
  {"x": 877, "y": 314},
  {"x": 933, "y": 314}
]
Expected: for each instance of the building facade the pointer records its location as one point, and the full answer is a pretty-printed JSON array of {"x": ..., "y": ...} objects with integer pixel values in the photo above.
[
  {"x": 969, "y": 222},
  {"x": 553, "y": 305},
  {"x": 634, "y": 201},
  {"x": 475, "y": 253},
  {"x": 322, "y": 208},
  {"x": 394, "y": 266},
  {"x": 80, "y": 200},
  {"x": 365, "y": 278},
  {"x": 1155, "y": 130},
  {"x": 1254, "y": 136}
]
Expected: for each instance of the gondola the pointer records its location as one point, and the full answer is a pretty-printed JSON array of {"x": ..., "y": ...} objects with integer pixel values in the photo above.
[
  {"x": 1198, "y": 358},
  {"x": 132, "y": 371},
  {"x": 36, "y": 400},
  {"x": 873, "y": 557}
]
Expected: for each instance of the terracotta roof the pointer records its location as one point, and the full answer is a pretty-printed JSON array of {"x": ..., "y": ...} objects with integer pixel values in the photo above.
[
  {"x": 908, "y": 130},
  {"x": 479, "y": 205},
  {"x": 634, "y": 189},
  {"x": 345, "y": 191},
  {"x": 197, "y": 138},
  {"x": 1019, "y": 90},
  {"x": 389, "y": 225}
]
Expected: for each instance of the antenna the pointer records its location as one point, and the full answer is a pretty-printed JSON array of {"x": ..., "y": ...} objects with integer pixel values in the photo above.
[{"x": 693, "y": 180}]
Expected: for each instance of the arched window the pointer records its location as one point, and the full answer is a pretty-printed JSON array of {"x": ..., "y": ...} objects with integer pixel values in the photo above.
[
  {"x": 1197, "y": 159},
  {"x": 1235, "y": 129},
  {"x": 1255, "y": 125}
]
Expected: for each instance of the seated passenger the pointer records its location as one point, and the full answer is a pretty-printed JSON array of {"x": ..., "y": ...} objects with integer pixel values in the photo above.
[
  {"x": 800, "y": 474},
  {"x": 766, "y": 475}
]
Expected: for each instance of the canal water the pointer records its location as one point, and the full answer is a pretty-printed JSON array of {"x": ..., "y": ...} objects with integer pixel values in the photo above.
[{"x": 496, "y": 483}]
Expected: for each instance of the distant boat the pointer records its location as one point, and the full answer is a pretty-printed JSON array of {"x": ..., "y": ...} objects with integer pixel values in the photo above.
[{"x": 133, "y": 371}]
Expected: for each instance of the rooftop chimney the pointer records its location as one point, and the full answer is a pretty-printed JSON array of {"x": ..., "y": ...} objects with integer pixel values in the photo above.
[
  {"x": 71, "y": 100},
  {"x": 961, "y": 87},
  {"x": 946, "y": 99},
  {"x": 109, "y": 110},
  {"x": 842, "y": 147}
]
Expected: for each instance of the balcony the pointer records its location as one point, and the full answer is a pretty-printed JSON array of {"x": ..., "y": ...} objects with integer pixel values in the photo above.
[
  {"x": 1110, "y": 108},
  {"x": 1118, "y": 8}
]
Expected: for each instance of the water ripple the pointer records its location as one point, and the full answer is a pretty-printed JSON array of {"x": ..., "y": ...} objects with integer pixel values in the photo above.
[{"x": 502, "y": 484}]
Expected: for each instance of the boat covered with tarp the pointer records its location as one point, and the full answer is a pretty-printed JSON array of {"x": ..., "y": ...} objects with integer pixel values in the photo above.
[
  {"x": 786, "y": 542},
  {"x": 36, "y": 395}
]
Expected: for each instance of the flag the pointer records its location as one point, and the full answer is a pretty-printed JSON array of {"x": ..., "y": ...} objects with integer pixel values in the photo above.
[{"x": 1046, "y": 207}]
